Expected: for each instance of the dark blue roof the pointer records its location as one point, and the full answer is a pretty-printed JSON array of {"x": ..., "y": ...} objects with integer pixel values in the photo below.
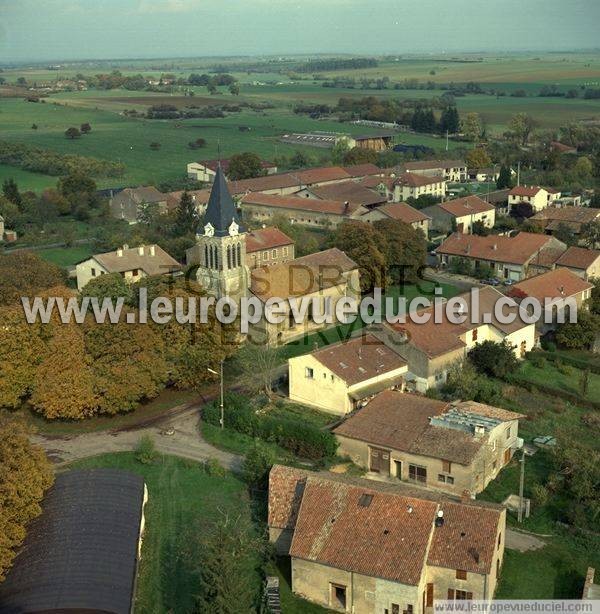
[{"x": 221, "y": 209}]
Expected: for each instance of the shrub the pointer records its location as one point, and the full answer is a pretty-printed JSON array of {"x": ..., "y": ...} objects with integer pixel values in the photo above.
[
  {"x": 297, "y": 436},
  {"x": 549, "y": 346},
  {"x": 537, "y": 360},
  {"x": 591, "y": 420},
  {"x": 145, "y": 451},
  {"x": 257, "y": 464},
  {"x": 539, "y": 494},
  {"x": 214, "y": 468}
]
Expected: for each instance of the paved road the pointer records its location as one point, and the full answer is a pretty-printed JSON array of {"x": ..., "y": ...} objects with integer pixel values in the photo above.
[
  {"x": 523, "y": 542},
  {"x": 185, "y": 442}
]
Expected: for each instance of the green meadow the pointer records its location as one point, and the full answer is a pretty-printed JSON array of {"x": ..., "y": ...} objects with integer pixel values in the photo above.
[{"x": 117, "y": 137}]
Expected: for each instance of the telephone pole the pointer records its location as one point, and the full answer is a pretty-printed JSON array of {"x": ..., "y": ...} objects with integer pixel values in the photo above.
[{"x": 521, "y": 486}]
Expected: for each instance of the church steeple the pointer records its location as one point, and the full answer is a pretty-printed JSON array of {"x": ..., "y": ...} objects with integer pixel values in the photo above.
[{"x": 221, "y": 210}]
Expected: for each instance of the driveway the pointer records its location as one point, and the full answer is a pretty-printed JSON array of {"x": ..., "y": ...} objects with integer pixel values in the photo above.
[
  {"x": 186, "y": 442},
  {"x": 523, "y": 542}
]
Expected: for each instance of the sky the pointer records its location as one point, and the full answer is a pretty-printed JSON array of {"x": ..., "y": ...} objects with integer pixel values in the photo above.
[{"x": 108, "y": 29}]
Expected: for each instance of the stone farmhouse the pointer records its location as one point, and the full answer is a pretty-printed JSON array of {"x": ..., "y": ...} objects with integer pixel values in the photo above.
[
  {"x": 457, "y": 447},
  {"x": 363, "y": 546},
  {"x": 129, "y": 203},
  {"x": 583, "y": 262},
  {"x": 510, "y": 257},
  {"x": 401, "y": 212},
  {"x": 575, "y": 219}
]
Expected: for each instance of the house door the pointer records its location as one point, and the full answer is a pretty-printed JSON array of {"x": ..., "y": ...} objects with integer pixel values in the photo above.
[
  {"x": 460, "y": 227},
  {"x": 507, "y": 456},
  {"x": 379, "y": 460},
  {"x": 429, "y": 601},
  {"x": 398, "y": 467}
]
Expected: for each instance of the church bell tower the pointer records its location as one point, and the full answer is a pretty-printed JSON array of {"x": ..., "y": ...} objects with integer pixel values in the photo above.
[{"x": 221, "y": 245}]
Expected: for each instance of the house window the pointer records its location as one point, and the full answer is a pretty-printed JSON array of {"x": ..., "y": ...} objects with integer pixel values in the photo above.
[
  {"x": 274, "y": 254},
  {"x": 508, "y": 430},
  {"x": 441, "y": 478},
  {"x": 494, "y": 465},
  {"x": 135, "y": 272},
  {"x": 461, "y": 574},
  {"x": 417, "y": 473},
  {"x": 265, "y": 255},
  {"x": 446, "y": 466},
  {"x": 449, "y": 479},
  {"x": 475, "y": 335},
  {"x": 463, "y": 595},
  {"x": 338, "y": 595},
  {"x": 309, "y": 373},
  {"x": 285, "y": 251},
  {"x": 93, "y": 272},
  {"x": 499, "y": 538},
  {"x": 409, "y": 609}
]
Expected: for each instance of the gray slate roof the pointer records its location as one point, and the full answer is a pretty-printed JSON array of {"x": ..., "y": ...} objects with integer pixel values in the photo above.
[
  {"x": 81, "y": 553},
  {"x": 221, "y": 209}
]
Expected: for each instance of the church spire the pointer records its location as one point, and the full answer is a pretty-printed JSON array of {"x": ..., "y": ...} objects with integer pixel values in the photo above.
[{"x": 221, "y": 210}]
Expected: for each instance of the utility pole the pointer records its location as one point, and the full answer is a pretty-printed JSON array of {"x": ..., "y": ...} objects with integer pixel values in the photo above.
[
  {"x": 519, "y": 173},
  {"x": 521, "y": 486},
  {"x": 446, "y": 140},
  {"x": 222, "y": 403}
]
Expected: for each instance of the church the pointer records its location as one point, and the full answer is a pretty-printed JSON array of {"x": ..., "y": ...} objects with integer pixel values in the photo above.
[{"x": 219, "y": 257}]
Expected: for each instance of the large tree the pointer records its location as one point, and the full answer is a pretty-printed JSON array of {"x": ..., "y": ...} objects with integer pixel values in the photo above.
[
  {"x": 521, "y": 125},
  {"x": 478, "y": 158},
  {"x": 25, "y": 274},
  {"x": 25, "y": 475},
  {"x": 227, "y": 552},
  {"x": 186, "y": 220},
  {"x": 366, "y": 246},
  {"x": 245, "y": 166},
  {"x": 494, "y": 359},
  {"x": 405, "y": 250},
  {"x": 504, "y": 180},
  {"x": 11, "y": 191},
  {"x": 471, "y": 126}
]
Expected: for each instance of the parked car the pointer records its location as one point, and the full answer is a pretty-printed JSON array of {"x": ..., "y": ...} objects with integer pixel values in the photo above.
[
  {"x": 509, "y": 282},
  {"x": 492, "y": 281}
]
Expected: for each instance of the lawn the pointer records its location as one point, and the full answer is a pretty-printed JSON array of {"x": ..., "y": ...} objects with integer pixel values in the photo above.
[
  {"x": 180, "y": 493},
  {"x": 65, "y": 256},
  {"x": 565, "y": 378}
]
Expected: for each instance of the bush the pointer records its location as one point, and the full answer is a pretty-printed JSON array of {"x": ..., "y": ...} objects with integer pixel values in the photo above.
[
  {"x": 145, "y": 451},
  {"x": 537, "y": 360},
  {"x": 539, "y": 494},
  {"x": 257, "y": 464},
  {"x": 549, "y": 346},
  {"x": 299, "y": 437},
  {"x": 591, "y": 420},
  {"x": 214, "y": 468},
  {"x": 495, "y": 359}
]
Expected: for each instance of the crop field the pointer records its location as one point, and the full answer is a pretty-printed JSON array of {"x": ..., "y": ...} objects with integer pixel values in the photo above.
[{"x": 125, "y": 139}]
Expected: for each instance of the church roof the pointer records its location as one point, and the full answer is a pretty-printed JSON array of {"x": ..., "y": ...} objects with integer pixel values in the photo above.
[{"x": 221, "y": 209}]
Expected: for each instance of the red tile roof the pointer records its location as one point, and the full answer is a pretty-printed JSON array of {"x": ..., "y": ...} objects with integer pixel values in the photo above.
[
  {"x": 559, "y": 283},
  {"x": 578, "y": 257},
  {"x": 266, "y": 238},
  {"x": 332, "y": 207},
  {"x": 380, "y": 529},
  {"x": 362, "y": 530},
  {"x": 416, "y": 181},
  {"x": 523, "y": 190},
  {"x": 350, "y": 191},
  {"x": 359, "y": 359},
  {"x": 468, "y": 205},
  {"x": 363, "y": 170},
  {"x": 403, "y": 212},
  {"x": 518, "y": 249}
]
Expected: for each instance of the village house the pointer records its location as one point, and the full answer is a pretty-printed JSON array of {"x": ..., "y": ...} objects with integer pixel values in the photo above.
[
  {"x": 401, "y": 212},
  {"x": 76, "y": 557},
  {"x": 133, "y": 263},
  {"x": 129, "y": 203},
  {"x": 583, "y": 262},
  {"x": 268, "y": 246},
  {"x": 337, "y": 378},
  {"x": 565, "y": 290},
  {"x": 460, "y": 214},
  {"x": 538, "y": 198},
  {"x": 432, "y": 348},
  {"x": 344, "y": 191},
  {"x": 489, "y": 174},
  {"x": 220, "y": 258},
  {"x": 512, "y": 258},
  {"x": 457, "y": 447},
  {"x": 454, "y": 171},
  {"x": 305, "y": 211},
  {"x": 363, "y": 546},
  {"x": 551, "y": 219},
  {"x": 413, "y": 185},
  {"x": 205, "y": 170}
]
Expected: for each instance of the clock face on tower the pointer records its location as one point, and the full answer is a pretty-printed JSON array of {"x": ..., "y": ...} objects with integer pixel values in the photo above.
[
  {"x": 209, "y": 230},
  {"x": 233, "y": 229}
]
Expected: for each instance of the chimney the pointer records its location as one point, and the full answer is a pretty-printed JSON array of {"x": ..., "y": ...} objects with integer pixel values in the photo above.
[
  {"x": 562, "y": 290},
  {"x": 346, "y": 206},
  {"x": 120, "y": 252},
  {"x": 439, "y": 519},
  {"x": 465, "y": 496},
  {"x": 153, "y": 250},
  {"x": 495, "y": 246},
  {"x": 141, "y": 250}
]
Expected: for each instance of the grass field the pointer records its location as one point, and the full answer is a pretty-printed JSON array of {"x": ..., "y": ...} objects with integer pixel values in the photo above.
[
  {"x": 566, "y": 379},
  {"x": 65, "y": 256},
  {"x": 122, "y": 139}
]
